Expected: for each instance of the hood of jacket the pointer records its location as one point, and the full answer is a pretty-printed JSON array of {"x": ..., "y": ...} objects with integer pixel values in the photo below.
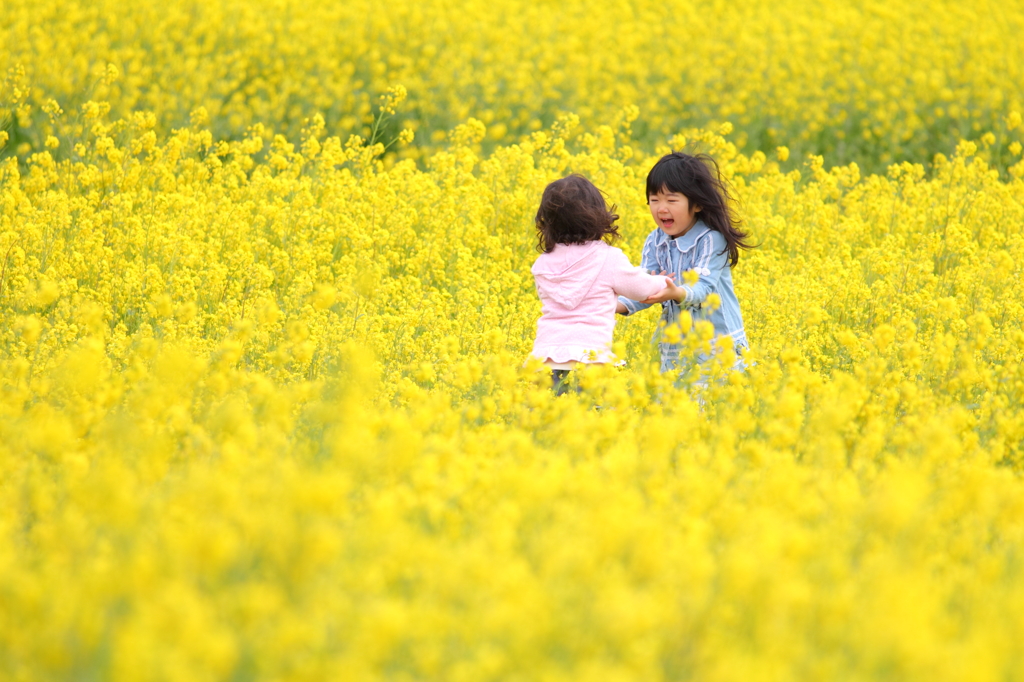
[{"x": 567, "y": 274}]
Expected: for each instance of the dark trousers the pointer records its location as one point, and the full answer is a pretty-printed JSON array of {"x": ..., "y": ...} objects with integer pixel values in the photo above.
[{"x": 560, "y": 381}]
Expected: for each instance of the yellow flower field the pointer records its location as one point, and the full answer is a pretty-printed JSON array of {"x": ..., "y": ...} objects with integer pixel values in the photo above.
[
  {"x": 265, "y": 410},
  {"x": 873, "y": 82}
]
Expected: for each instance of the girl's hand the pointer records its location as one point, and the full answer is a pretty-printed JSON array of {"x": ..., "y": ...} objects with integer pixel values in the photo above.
[{"x": 671, "y": 292}]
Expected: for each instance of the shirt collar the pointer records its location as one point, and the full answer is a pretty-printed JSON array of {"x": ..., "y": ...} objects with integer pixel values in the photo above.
[{"x": 688, "y": 240}]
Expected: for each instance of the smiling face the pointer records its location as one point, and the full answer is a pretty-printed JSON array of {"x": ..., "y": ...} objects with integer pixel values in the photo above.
[{"x": 672, "y": 212}]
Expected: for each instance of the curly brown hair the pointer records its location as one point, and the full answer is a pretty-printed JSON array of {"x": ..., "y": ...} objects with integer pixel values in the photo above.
[{"x": 573, "y": 211}]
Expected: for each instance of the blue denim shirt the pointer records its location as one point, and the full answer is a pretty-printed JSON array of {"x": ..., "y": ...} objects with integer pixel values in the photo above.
[{"x": 703, "y": 250}]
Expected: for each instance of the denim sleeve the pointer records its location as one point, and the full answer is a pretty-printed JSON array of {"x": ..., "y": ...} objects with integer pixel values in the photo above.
[
  {"x": 712, "y": 259},
  {"x": 633, "y": 306},
  {"x": 648, "y": 263}
]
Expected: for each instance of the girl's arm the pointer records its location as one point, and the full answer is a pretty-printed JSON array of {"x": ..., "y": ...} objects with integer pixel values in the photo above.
[
  {"x": 627, "y": 305},
  {"x": 633, "y": 283}
]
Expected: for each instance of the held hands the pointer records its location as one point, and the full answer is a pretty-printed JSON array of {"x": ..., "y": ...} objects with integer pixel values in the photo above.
[{"x": 671, "y": 292}]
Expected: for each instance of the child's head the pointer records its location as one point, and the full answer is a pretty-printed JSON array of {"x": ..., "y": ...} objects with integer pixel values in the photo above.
[
  {"x": 684, "y": 188},
  {"x": 573, "y": 211}
]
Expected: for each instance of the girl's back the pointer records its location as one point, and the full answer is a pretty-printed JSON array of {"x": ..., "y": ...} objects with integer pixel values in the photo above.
[{"x": 579, "y": 285}]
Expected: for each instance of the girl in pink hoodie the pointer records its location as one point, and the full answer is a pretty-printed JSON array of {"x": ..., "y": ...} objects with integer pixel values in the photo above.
[{"x": 579, "y": 277}]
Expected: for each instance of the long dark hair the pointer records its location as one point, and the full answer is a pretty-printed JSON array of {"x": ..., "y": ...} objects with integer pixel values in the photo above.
[
  {"x": 573, "y": 211},
  {"x": 691, "y": 175}
]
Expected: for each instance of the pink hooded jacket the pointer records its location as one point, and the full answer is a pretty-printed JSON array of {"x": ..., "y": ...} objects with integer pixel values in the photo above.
[{"x": 578, "y": 285}]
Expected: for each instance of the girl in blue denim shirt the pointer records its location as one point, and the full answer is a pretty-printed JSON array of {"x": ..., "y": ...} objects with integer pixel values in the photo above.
[{"x": 695, "y": 231}]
